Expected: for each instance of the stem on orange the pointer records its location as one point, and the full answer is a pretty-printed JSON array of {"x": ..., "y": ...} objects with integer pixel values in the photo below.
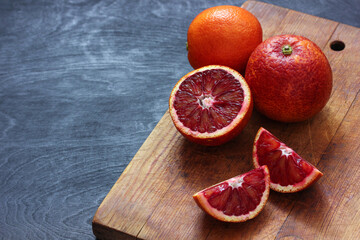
[{"x": 286, "y": 49}]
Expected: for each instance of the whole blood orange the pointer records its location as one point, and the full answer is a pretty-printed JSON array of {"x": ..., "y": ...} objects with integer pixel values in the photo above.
[
  {"x": 288, "y": 171},
  {"x": 211, "y": 105},
  {"x": 223, "y": 35},
  {"x": 237, "y": 199},
  {"x": 290, "y": 78}
]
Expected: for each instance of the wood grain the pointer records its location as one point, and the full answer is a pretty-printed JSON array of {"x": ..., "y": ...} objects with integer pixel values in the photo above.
[
  {"x": 332, "y": 209},
  {"x": 270, "y": 18},
  {"x": 167, "y": 170},
  {"x": 82, "y": 85}
]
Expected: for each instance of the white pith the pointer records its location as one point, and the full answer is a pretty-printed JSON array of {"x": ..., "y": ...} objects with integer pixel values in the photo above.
[
  {"x": 236, "y": 182},
  {"x": 206, "y": 101},
  {"x": 285, "y": 151}
]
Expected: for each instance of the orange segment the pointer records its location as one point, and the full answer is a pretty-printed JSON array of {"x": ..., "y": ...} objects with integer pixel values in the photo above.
[
  {"x": 237, "y": 199},
  {"x": 288, "y": 171}
]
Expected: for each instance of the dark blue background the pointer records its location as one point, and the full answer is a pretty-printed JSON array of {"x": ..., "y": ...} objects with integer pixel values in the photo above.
[{"x": 82, "y": 84}]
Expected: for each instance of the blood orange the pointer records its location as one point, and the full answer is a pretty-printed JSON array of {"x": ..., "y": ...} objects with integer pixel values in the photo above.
[
  {"x": 223, "y": 35},
  {"x": 288, "y": 171},
  {"x": 211, "y": 105},
  {"x": 237, "y": 199},
  {"x": 290, "y": 78}
]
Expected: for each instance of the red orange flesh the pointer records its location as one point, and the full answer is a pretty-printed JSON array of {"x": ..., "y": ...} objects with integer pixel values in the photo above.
[
  {"x": 211, "y": 105},
  {"x": 288, "y": 171},
  {"x": 237, "y": 199}
]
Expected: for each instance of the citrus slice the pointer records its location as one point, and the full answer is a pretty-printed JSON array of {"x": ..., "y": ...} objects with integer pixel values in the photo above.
[
  {"x": 211, "y": 105},
  {"x": 288, "y": 171},
  {"x": 237, "y": 199}
]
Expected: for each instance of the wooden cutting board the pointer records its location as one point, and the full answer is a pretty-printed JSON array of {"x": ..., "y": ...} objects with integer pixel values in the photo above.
[{"x": 152, "y": 199}]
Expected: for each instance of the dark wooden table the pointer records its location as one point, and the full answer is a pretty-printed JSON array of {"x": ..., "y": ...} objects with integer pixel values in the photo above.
[{"x": 82, "y": 85}]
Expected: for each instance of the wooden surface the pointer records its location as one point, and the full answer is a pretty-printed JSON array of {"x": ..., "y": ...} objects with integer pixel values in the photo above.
[
  {"x": 152, "y": 198},
  {"x": 84, "y": 82}
]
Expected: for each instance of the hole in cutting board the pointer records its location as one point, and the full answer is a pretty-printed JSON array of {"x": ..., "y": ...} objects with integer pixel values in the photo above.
[{"x": 337, "y": 45}]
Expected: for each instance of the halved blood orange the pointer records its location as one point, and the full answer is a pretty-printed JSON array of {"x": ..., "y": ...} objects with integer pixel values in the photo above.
[
  {"x": 211, "y": 105},
  {"x": 288, "y": 171},
  {"x": 237, "y": 199}
]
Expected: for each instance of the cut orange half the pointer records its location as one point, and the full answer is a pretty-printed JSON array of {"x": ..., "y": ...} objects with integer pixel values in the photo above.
[
  {"x": 237, "y": 199},
  {"x": 211, "y": 105},
  {"x": 288, "y": 171}
]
